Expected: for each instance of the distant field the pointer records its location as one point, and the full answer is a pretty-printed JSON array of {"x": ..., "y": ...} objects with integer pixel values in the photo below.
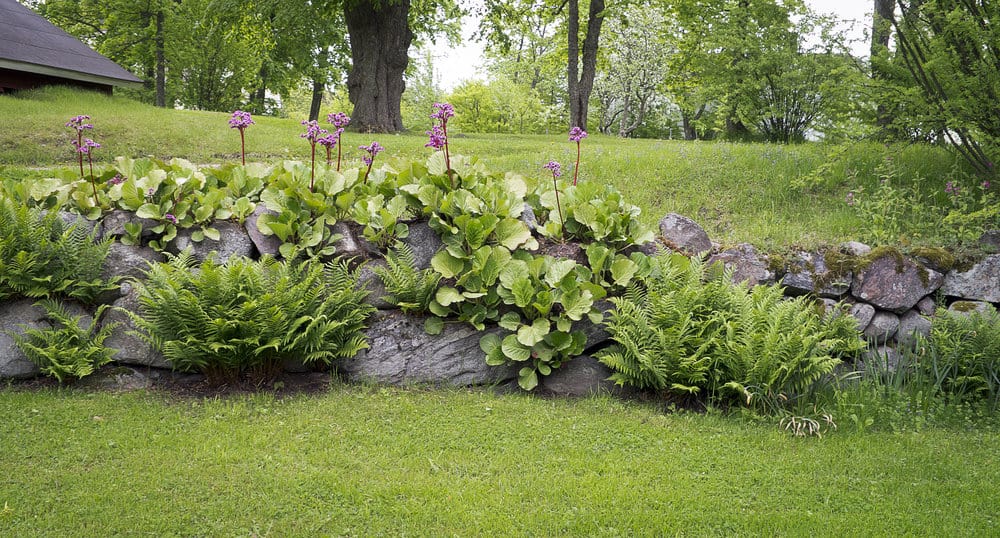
[{"x": 771, "y": 195}]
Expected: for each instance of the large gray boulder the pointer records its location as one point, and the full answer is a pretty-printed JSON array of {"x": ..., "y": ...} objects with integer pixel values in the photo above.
[
  {"x": 981, "y": 283},
  {"x": 746, "y": 264},
  {"x": 14, "y": 314},
  {"x": 22, "y": 314},
  {"x": 882, "y": 328},
  {"x": 864, "y": 313},
  {"x": 808, "y": 273},
  {"x": 265, "y": 244},
  {"x": 683, "y": 234},
  {"x": 348, "y": 245},
  {"x": 113, "y": 224},
  {"x": 911, "y": 326},
  {"x": 582, "y": 376},
  {"x": 402, "y": 353},
  {"x": 424, "y": 242},
  {"x": 895, "y": 283},
  {"x": 369, "y": 280},
  {"x": 968, "y": 307},
  {"x": 129, "y": 260},
  {"x": 129, "y": 348},
  {"x": 234, "y": 241}
]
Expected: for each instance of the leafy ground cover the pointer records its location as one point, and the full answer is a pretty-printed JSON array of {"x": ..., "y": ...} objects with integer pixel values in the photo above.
[
  {"x": 771, "y": 195},
  {"x": 368, "y": 461}
]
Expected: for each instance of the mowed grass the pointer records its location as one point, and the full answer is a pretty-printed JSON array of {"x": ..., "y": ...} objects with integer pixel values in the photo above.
[
  {"x": 364, "y": 461},
  {"x": 773, "y": 196}
]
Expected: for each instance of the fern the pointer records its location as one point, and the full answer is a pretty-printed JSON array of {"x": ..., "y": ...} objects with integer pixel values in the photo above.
[
  {"x": 411, "y": 289},
  {"x": 686, "y": 330},
  {"x": 41, "y": 257},
  {"x": 249, "y": 317},
  {"x": 963, "y": 356},
  {"x": 68, "y": 350}
]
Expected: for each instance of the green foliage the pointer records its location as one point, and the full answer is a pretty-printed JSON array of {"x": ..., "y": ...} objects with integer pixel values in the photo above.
[
  {"x": 903, "y": 213},
  {"x": 961, "y": 356},
  {"x": 411, "y": 289},
  {"x": 41, "y": 256},
  {"x": 70, "y": 349},
  {"x": 244, "y": 316},
  {"x": 688, "y": 331},
  {"x": 592, "y": 212}
]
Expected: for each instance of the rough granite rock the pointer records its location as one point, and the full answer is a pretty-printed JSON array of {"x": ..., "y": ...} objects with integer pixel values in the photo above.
[
  {"x": 130, "y": 348},
  {"x": 129, "y": 260},
  {"x": 582, "y": 376},
  {"x": 746, "y": 263},
  {"x": 347, "y": 246},
  {"x": 807, "y": 273},
  {"x": 855, "y": 248},
  {"x": 880, "y": 359},
  {"x": 265, "y": 244},
  {"x": 967, "y": 307},
  {"x": 113, "y": 224},
  {"x": 368, "y": 279},
  {"x": 981, "y": 283},
  {"x": 234, "y": 241},
  {"x": 528, "y": 217},
  {"x": 684, "y": 234},
  {"x": 882, "y": 327},
  {"x": 912, "y": 324},
  {"x": 13, "y": 314},
  {"x": 864, "y": 313},
  {"x": 990, "y": 240},
  {"x": 424, "y": 242},
  {"x": 895, "y": 284},
  {"x": 927, "y": 306},
  {"x": 402, "y": 353}
]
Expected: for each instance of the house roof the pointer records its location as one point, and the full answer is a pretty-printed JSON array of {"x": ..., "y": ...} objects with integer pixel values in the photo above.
[{"x": 32, "y": 44}]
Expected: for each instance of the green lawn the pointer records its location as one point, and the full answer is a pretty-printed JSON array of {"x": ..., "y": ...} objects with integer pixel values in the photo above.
[
  {"x": 364, "y": 461},
  {"x": 771, "y": 195}
]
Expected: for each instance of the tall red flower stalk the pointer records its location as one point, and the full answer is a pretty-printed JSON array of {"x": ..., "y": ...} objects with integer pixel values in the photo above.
[
  {"x": 340, "y": 121},
  {"x": 577, "y": 134},
  {"x": 439, "y": 135},
  {"x": 77, "y": 123},
  {"x": 241, "y": 120}
]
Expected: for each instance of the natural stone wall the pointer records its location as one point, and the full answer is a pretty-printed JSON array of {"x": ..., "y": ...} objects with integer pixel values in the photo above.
[{"x": 891, "y": 296}]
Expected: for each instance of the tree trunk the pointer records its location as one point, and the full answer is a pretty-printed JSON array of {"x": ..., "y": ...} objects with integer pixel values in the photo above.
[
  {"x": 317, "y": 99},
  {"x": 161, "y": 69},
  {"x": 260, "y": 96},
  {"x": 380, "y": 38},
  {"x": 882, "y": 17},
  {"x": 581, "y": 83}
]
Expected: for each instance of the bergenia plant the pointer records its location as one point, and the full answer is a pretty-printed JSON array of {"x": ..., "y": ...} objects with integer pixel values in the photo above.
[
  {"x": 78, "y": 123},
  {"x": 556, "y": 170},
  {"x": 439, "y": 134},
  {"x": 577, "y": 134},
  {"x": 374, "y": 149},
  {"x": 86, "y": 148},
  {"x": 313, "y": 134},
  {"x": 340, "y": 121},
  {"x": 328, "y": 142},
  {"x": 241, "y": 120}
]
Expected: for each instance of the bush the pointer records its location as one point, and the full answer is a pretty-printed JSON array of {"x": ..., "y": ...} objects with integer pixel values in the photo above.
[
  {"x": 68, "y": 350},
  {"x": 690, "y": 332},
  {"x": 962, "y": 356},
  {"x": 40, "y": 256},
  {"x": 250, "y": 317}
]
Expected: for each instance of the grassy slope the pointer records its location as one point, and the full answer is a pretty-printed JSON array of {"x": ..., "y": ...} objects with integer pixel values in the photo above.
[
  {"x": 363, "y": 461},
  {"x": 739, "y": 192}
]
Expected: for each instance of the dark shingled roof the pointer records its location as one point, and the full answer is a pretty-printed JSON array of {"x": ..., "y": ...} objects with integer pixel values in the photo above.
[{"x": 30, "y": 43}]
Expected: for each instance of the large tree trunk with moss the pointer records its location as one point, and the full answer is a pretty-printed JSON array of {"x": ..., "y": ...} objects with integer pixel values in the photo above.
[
  {"x": 581, "y": 81},
  {"x": 380, "y": 39}
]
